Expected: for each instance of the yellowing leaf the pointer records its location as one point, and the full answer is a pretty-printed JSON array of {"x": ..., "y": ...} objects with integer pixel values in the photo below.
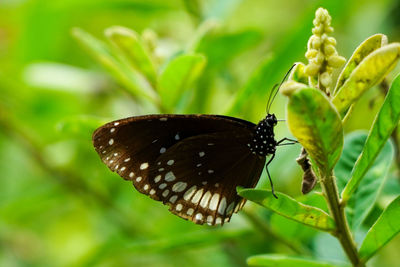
[
  {"x": 364, "y": 49},
  {"x": 368, "y": 73},
  {"x": 316, "y": 125}
]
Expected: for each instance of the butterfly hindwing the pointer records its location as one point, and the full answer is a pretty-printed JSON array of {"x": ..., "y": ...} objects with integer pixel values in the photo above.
[
  {"x": 198, "y": 177},
  {"x": 161, "y": 155}
]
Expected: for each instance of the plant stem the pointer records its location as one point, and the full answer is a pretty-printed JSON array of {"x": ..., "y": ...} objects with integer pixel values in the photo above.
[{"x": 336, "y": 208}]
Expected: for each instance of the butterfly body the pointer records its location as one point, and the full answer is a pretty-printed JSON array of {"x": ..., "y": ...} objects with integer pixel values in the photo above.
[{"x": 192, "y": 163}]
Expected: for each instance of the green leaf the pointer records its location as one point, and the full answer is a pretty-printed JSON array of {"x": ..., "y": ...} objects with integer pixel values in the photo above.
[
  {"x": 130, "y": 47},
  {"x": 290, "y": 208},
  {"x": 316, "y": 125},
  {"x": 368, "y": 73},
  {"x": 364, "y": 49},
  {"x": 384, "y": 124},
  {"x": 277, "y": 260},
  {"x": 384, "y": 229},
  {"x": 132, "y": 82},
  {"x": 178, "y": 76},
  {"x": 257, "y": 81},
  {"x": 367, "y": 192}
]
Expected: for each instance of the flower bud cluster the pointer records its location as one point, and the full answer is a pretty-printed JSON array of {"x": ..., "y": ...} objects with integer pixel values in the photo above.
[{"x": 321, "y": 54}]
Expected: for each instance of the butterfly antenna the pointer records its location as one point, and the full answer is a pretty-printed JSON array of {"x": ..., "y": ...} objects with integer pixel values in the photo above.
[
  {"x": 276, "y": 92},
  {"x": 269, "y": 97}
]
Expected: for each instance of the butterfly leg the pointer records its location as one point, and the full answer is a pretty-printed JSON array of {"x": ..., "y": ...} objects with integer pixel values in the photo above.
[
  {"x": 291, "y": 142},
  {"x": 269, "y": 176}
]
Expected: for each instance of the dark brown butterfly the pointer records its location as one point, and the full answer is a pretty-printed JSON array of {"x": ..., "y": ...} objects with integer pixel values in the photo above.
[{"x": 192, "y": 163}]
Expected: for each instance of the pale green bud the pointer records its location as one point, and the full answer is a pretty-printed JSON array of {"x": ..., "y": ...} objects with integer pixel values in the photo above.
[
  {"x": 329, "y": 50},
  {"x": 312, "y": 69},
  {"x": 336, "y": 61},
  {"x": 326, "y": 79},
  {"x": 311, "y": 53}
]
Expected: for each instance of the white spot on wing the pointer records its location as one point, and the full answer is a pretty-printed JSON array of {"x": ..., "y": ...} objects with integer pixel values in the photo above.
[
  {"x": 138, "y": 179},
  {"x": 112, "y": 130},
  {"x": 116, "y": 123},
  {"x": 205, "y": 199},
  {"x": 177, "y": 137},
  {"x": 173, "y": 199},
  {"x": 157, "y": 178},
  {"x": 190, "y": 211},
  {"x": 214, "y": 202},
  {"x": 165, "y": 193},
  {"x": 152, "y": 192},
  {"x": 144, "y": 165},
  {"x": 179, "y": 186},
  {"x": 199, "y": 216},
  {"x": 169, "y": 177},
  {"x": 162, "y": 186},
  {"x": 131, "y": 174},
  {"x": 189, "y": 193},
  {"x": 197, "y": 196},
  {"x": 222, "y": 206},
  {"x": 111, "y": 141},
  {"x": 162, "y": 150},
  {"x": 127, "y": 159},
  {"x": 179, "y": 207},
  {"x": 170, "y": 162},
  {"x": 201, "y": 154}
]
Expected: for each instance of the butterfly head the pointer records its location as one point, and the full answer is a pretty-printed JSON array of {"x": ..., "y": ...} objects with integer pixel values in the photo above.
[{"x": 271, "y": 120}]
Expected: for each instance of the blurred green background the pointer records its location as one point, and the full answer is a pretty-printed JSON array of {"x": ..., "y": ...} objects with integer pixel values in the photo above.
[{"x": 60, "y": 206}]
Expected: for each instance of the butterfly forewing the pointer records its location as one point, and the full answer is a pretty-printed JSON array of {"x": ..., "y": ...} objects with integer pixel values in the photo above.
[{"x": 192, "y": 163}]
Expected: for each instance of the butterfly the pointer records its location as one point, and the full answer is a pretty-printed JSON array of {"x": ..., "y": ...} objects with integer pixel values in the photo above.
[{"x": 192, "y": 163}]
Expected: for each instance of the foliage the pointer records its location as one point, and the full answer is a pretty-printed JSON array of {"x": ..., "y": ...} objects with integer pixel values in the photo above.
[{"x": 60, "y": 206}]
